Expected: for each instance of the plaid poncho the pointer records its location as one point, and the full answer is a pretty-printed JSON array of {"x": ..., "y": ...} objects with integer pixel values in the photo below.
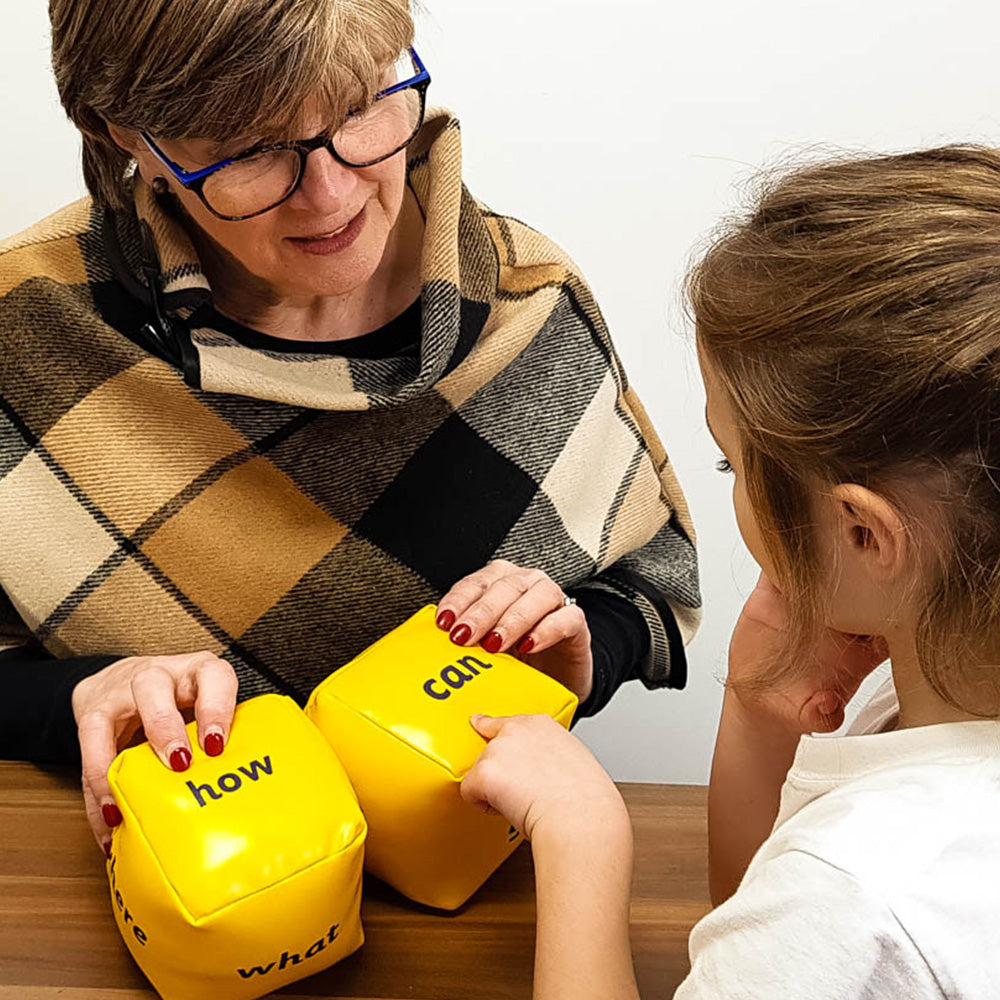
[{"x": 284, "y": 510}]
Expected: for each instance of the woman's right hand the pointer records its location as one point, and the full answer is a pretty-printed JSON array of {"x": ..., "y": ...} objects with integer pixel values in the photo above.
[{"x": 148, "y": 692}]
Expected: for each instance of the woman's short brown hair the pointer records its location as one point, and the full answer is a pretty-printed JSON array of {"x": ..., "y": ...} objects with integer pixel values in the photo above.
[
  {"x": 854, "y": 320},
  {"x": 213, "y": 69}
]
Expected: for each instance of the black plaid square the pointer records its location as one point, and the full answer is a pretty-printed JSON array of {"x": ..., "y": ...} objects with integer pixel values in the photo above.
[
  {"x": 451, "y": 505},
  {"x": 41, "y": 379},
  {"x": 343, "y": 604},
  {"x": 344, "y": 461}
]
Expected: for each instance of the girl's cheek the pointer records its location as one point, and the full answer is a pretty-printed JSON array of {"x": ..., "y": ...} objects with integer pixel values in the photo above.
[{"x": 747, "y": 523}]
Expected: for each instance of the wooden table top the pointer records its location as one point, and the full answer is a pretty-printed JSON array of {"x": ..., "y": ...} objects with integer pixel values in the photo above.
[{"x": 58, "y": 938}]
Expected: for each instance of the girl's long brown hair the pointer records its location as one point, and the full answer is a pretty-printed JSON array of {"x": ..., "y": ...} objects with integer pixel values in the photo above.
[{"x": 854, "y": 320}]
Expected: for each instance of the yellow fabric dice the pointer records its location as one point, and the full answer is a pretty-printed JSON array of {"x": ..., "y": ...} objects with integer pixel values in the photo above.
[
  {"x": 398, "y": 718},
  {"x": 243, "y": 873}
]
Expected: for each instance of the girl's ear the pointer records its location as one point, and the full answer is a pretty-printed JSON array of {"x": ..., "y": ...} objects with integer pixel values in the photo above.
[{"x": 871, "y": 531}]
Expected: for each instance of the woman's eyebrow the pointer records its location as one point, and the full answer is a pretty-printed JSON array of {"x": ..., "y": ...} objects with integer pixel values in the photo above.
[
  {"x": 219, "y": 151},
  {"x": 224, "y": 149}
]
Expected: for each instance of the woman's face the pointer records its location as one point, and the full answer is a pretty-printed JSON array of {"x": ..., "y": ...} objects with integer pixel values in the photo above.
[{"x": 327, "y": 239}]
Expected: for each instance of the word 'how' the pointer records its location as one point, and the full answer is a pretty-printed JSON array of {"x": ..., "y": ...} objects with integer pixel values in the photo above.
[{"x": 230, "y": 782}]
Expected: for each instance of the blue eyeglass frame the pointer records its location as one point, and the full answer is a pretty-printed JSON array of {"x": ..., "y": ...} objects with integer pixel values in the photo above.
[{"x": 194, "y": 180}]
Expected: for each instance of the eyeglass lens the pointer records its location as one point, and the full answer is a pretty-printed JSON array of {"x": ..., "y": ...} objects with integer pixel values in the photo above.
[{"x": 257, "y": 183}]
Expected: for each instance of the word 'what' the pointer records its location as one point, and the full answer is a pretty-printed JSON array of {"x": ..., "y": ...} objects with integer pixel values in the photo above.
[{"x": 292, "y": 958}]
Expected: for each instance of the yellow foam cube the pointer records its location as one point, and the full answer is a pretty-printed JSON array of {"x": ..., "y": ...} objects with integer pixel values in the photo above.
[
  {"x": 398, "y": 718},
  {"x": 243, "y": 873}
]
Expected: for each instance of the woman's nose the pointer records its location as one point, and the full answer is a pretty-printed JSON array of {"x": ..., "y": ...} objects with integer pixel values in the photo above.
[{"x": 326, "y": 184}]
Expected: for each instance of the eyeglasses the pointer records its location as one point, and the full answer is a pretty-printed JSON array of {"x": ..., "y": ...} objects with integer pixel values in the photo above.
[{"x": 262, "y": 177}]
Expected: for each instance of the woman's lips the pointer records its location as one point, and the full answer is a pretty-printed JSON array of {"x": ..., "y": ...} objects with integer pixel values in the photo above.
[{"x": 332, "y": 242}]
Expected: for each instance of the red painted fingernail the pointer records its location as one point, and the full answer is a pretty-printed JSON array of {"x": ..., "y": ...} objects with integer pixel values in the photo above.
[
  {"x": 526, "y": 645},
  {"x": 492, "y": 642},
  {"x": 445, "y": 620},
  {"x": 180, "y": 759},
  {"x": 111, "y": 813},
  {"x": 107, "y": 849},
  {"x": 461, "y": 634},
  {"x": 213, "y": 744}
]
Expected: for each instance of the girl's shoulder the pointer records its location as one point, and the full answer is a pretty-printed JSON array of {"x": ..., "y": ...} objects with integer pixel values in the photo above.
[
  {"x": 903, "y": 812},
  {"x": 883, "y": 884},
  {"x": 800, "y": 927}
]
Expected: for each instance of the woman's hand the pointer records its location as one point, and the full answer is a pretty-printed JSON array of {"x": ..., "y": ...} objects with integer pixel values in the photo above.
[
  {"x": 506, "y": 608},
  {"x": 148, "y": 692},
  {"x": 838, "y": 664},
  {"x": 542, "y": 779}
]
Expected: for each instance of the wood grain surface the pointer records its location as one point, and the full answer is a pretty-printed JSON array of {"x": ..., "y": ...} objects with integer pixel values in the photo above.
[{"x": 58, "y": 938}]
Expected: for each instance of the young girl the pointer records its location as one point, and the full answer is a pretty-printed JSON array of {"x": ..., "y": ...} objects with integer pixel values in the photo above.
[{"x": 849, "y": 338}]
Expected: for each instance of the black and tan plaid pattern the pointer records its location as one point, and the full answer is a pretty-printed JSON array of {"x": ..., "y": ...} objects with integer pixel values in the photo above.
[{"x": 285, "y": 510}]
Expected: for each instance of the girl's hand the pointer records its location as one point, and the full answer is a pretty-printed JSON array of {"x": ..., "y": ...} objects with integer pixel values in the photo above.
[
  {"x": 148, "y": 692},
  {"x": 816, "y": 701},
  {"x": 541, "y": 778},
  {"x": 506, "y": 608}
]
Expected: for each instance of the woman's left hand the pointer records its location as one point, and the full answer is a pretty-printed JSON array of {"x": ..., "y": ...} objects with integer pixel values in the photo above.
[{"x": 507, "y": 608}]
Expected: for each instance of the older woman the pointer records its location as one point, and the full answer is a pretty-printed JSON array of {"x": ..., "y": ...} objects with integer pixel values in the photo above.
[{"x": 281, "y": 381}]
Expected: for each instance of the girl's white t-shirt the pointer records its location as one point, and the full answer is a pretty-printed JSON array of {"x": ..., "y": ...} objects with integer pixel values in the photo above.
[{"x": 880, "y": 879}]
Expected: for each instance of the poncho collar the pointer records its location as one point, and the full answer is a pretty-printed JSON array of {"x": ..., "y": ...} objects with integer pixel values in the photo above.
[{"x": 153, "y": 257}]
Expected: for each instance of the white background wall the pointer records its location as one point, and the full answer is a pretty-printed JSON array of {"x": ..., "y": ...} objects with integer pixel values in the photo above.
[{"x": 623, "y": 130}]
